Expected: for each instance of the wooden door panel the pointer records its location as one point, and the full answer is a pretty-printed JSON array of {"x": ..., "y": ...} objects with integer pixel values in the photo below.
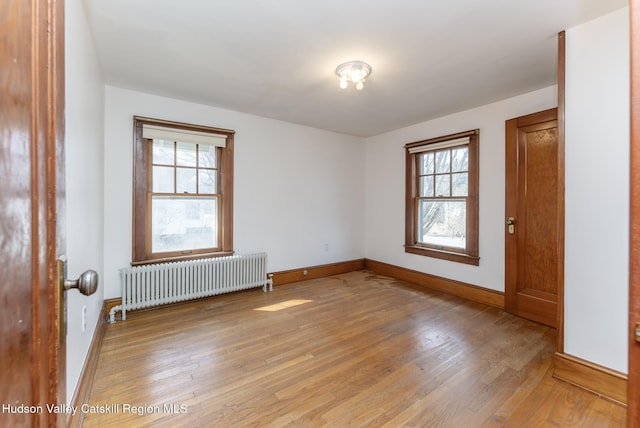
[
  {"x": 537, "y": 309},
  {"x": 537, "y": 233},
  {"x": 532, "y": 252},
  {"x": 32, "y": 359},
  {"x": 16, "y": 306}
]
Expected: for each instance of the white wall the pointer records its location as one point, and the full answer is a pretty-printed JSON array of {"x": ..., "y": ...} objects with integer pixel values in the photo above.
[
  {"x": 296, "y": 188},
  {"x": 385, "y": 172},
  {"x": 597, "y": 190},
  {"x": 84, "y": 117}
]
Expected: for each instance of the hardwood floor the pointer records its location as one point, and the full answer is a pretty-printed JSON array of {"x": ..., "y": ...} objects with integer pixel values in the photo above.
[{"x": 351, "y": 350}]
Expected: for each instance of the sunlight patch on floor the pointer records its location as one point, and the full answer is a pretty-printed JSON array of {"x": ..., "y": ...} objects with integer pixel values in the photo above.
[{"x": 282, "y": 305}]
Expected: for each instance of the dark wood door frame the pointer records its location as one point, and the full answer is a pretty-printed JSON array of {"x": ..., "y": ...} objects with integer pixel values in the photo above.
[
  {"x": 561, "y": 187},
  {"x": 32, "y": 350},
  {"x": 633, "y": 381}
]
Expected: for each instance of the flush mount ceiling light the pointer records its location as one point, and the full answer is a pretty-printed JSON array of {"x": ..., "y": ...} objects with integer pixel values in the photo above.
[{"x": 353, "y": 71}]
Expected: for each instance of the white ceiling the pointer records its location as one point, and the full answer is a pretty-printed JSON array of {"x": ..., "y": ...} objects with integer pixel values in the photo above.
[{"x": 277, "y": 58}]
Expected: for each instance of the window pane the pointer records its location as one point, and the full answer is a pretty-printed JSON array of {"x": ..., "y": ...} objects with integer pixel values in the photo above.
[
  {"x": 183, "y": 223},
  {"x": 207, "y": 181},
  {"x": 163, "y": 152},
  {"x": 163, "y": 179},
  {"x": 186, "y": 180},
  {"x": 442, "y": 223},
  {"x": 186, "y": 154},
  {"x": 426, "y": 186},
  {"x": 460, "y": 159},
  {"x": 426, "y": 163},
  {"x": 442, "y": 161},
  {"x": 443, "y": 185},
  {"x": 206, "y": 156},
  {"x": 460, "y": 184}
]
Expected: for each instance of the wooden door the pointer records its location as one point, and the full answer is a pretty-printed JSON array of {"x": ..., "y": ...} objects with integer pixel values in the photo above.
[
  {"x": 32, "y": 357},
  {"x": 532, "y": 241},
  {"x": 633, "y": 381}
]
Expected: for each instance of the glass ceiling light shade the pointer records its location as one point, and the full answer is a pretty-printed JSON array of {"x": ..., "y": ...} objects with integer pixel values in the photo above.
[{"x": 353, "y": 71}]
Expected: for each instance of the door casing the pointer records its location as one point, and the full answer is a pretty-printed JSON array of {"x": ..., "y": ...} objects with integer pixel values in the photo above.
[{"x": 633, "y": 379}]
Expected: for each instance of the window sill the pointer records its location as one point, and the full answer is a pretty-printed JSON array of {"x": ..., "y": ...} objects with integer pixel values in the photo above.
[
  {"x": 443, "y": 254},
  {"x": 182, "y": 258}
]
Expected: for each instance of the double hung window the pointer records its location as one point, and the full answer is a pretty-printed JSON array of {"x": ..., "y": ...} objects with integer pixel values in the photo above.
[
  {"x": 442, "y": 197},
  {"x": 183, "y": 184}
]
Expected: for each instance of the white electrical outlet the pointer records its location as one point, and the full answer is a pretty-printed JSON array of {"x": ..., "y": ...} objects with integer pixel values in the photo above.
[{"x": 84, "y": 318}]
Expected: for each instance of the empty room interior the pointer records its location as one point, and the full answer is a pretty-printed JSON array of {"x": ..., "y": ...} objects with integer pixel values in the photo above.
[{"x": 437, "y": 194}]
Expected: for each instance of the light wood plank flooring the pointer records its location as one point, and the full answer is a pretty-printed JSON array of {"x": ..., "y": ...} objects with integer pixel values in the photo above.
[{"x": 352, "y": 350}]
